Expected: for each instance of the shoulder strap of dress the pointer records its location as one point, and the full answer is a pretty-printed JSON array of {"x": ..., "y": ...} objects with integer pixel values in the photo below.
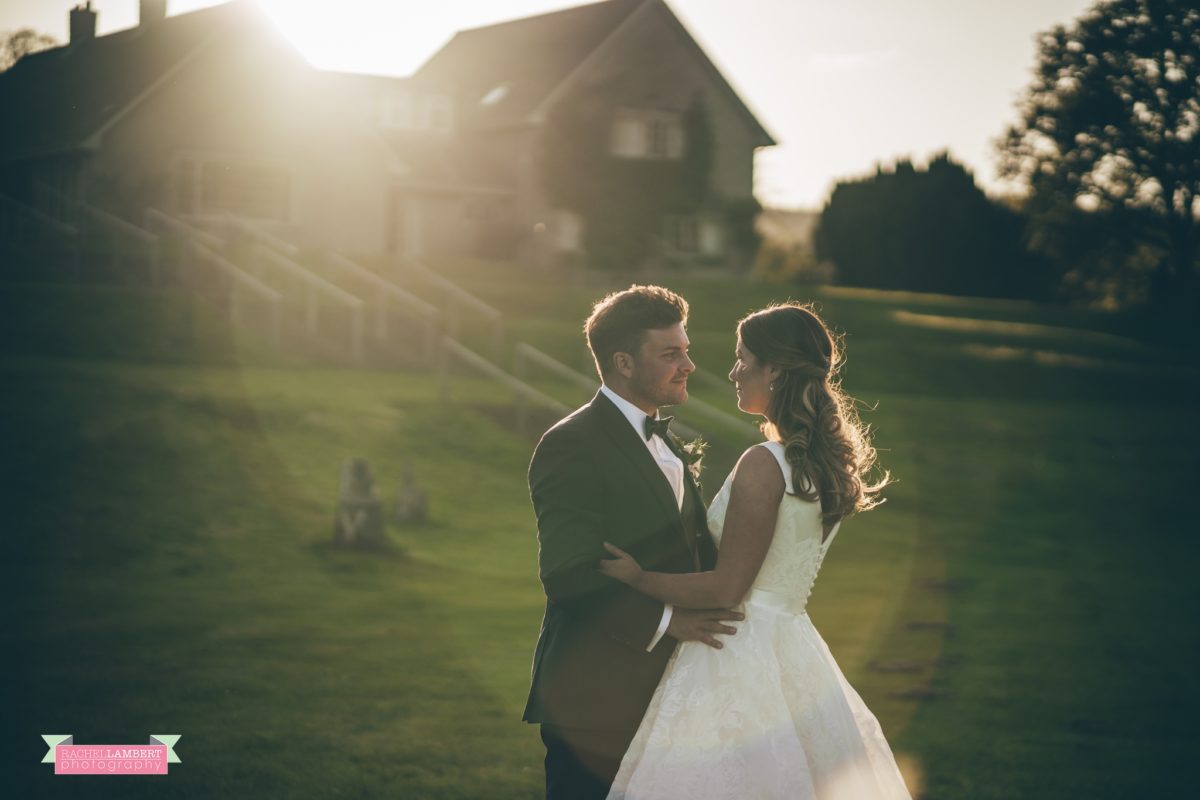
[{"x": 776, "y": 449}]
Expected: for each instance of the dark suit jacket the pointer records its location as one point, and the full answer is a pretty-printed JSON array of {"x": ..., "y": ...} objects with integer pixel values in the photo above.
[{"x": 592, "y": 480}]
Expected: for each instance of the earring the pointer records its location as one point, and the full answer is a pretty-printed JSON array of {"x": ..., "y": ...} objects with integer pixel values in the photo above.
[{"x": 771, "y": 388}]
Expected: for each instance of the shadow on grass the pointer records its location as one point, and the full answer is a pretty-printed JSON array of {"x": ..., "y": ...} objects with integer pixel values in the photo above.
[{"x": 164, "y": 574}]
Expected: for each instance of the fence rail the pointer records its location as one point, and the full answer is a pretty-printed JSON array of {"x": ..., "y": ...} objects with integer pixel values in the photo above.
[
  {"x": 43, "y": 221},
  {"x": 152, "y": 216},
  {"x": 317, "y": 288},
  {"x": 239, "y": 282},
  {"x": 260, "y": 235},
  {"x": 117, "y": 228},
  {"x": 526, "y": 394},
  {"x": 426, "y": 315},
  {"x": 458, "y": 299}
]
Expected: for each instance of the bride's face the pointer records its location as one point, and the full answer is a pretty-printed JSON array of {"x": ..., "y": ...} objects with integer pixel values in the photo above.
[{"x": 752, "y": 379}]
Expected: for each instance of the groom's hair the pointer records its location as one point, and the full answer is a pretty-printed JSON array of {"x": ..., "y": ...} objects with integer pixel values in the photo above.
[{"x": 619, "y": 322}]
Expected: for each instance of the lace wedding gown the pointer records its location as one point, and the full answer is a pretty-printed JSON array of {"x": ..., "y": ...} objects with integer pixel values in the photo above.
[{"x": 770, "y": 715}]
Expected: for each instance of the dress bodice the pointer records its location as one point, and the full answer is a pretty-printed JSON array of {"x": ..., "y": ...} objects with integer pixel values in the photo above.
[{"x": 796, "y": 552}]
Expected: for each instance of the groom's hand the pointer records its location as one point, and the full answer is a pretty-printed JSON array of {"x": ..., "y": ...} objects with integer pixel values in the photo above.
[{"x": 692, "y": 625}]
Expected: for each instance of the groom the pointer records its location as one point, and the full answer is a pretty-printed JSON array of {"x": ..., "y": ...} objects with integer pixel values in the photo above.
[{"x": 611, "y": 472}]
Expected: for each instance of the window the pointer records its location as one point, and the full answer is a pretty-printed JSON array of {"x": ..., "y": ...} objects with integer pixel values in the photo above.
[
  {"x": 495, "y": 95},
  {"x": 710, "y": 238},
  {"x": 642, "y": 133},
  {"x": 657, "y": 138},
  {"x": 627, "y": 138},
  {"x": 393, "y": 109},
  {"x": 401, "y": 116},
  {"x": 681, "y": 233},
  {"x": 217, "y": 186}
]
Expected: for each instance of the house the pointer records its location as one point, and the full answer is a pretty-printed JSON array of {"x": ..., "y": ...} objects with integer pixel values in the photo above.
[
  {"x": 633, "y": 60},
  {"x": 212, "y": 112},
  {"x": 206, "y": 113}
]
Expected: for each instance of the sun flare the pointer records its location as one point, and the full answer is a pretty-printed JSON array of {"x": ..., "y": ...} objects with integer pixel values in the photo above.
[{"x": 353, "y": 35}]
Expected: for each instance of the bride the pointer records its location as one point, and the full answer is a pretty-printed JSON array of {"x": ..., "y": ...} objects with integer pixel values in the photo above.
[{"x": 770, "y": 716}]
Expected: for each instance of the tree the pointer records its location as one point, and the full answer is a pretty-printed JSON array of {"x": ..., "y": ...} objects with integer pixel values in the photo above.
[
  {"x": 926, "y": 230},
  {"x": 1108, "y": 141},
  {"x": 16, "y": 44}
]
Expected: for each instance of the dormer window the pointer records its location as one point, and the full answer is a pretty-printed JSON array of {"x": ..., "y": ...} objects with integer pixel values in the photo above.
[{"x": 494, "y": 96}]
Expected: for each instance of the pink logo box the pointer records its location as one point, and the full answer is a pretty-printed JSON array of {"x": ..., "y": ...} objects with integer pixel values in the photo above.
[{"x": 111, "y": 759}]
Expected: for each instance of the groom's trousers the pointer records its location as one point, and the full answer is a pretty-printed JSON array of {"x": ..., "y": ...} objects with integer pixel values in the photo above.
[{"x": 581, "y": 764}]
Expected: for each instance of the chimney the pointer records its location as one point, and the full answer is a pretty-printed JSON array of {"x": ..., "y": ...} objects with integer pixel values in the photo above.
[
  {"x": 83, "y": 23},
  {"x": 152, "y": 11}
]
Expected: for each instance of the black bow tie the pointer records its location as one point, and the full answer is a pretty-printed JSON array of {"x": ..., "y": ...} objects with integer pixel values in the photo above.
[{"x": 659, "y": 426}]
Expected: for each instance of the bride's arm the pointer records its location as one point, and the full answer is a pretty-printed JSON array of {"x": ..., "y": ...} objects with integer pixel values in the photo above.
[{"x": 754, "y": 499}]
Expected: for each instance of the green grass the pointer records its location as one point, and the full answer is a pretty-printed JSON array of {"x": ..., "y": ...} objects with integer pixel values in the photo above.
[{"x": 168, "y": 566}]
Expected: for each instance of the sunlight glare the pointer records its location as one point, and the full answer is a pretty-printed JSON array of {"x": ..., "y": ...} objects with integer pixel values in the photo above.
[{"x": 353, "y": 35}]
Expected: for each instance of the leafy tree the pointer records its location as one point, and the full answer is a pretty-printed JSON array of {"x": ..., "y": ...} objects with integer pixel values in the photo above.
[
  {"x": 926, "y": 230},
  {"x": 16, "y": 44},
  {"x": 1108, "y": 145}
]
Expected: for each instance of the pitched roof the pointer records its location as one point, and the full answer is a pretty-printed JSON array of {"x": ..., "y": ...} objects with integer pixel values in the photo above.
[
  {"x": 53, "y": 100},
  {"x": 529, "y": 57},
  {"x": 519, "y": 64}
]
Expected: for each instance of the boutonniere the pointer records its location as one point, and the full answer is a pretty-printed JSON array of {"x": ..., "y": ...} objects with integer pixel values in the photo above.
[{"x": 693, "y": 456}]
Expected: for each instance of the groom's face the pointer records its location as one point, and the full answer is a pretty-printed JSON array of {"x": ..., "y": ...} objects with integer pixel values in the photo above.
[{"x": 662, "y": 366}]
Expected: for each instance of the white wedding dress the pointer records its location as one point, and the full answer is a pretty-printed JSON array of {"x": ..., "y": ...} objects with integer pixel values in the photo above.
[{"x": 770, "y": 715}]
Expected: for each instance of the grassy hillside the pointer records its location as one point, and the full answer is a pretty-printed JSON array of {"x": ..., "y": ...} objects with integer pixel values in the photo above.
[{"x": 1018, "y": 614}]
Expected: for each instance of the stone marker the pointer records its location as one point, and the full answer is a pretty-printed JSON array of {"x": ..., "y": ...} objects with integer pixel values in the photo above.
[
  {"x": 412, "y": 502},
  {"x": 359, "y": 520}
]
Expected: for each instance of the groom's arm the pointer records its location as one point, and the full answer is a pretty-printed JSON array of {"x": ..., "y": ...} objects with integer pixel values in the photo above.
[{"x": 568, "y": 498}]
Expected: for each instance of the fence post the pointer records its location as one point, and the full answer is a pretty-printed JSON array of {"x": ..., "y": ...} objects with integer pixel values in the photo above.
[
  {"x": 521, "y": 404},
  {"x": 114, "y": 253},
  {"x": 310, "y": 315},
  {"x": 430, "y": 334},
  {"x": 152, "y": 258},
  {"x": 356, "y": 334},
  {"x": 275, "y": 325},
  {"x": 497, "y": 339},
  {"x": 187, "y": 264},
  {"x": 234, "y": 304},
  {"x": 454, "y": 318},
  {"x": 381, "y": 326},
  {"x": 443, "y": 373}
]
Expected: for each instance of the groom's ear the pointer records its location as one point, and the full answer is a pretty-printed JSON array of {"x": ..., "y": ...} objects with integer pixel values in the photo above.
[{"x": 623, "y": 364}]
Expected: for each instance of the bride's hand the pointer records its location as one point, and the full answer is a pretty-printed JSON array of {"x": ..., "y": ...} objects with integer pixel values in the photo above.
[{"x": 624, "y": 568}]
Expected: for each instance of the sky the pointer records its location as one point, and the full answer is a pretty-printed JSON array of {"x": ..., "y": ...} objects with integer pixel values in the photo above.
[{"x": 842, "y": 85}]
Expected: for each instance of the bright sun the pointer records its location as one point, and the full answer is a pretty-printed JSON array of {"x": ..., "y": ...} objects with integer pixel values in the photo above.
[{"x": 354, "y": 35}]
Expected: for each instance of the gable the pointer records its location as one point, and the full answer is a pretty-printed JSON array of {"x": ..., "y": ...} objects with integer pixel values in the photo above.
[
  {"x": 639, "y": 56},
  {"x": 513, "y": 72},
  {"x": 520, "y": 62}
]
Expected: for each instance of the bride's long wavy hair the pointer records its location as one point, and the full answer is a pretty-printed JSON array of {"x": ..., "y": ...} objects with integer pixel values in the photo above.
[{"x": 827, "y": 446}]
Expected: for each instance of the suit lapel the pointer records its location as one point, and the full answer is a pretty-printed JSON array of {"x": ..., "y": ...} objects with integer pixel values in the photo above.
[{"x": 625, "y": 439}]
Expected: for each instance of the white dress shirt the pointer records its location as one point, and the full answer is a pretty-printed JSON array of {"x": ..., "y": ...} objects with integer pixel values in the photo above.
[{"x": 672, "y": 469}]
